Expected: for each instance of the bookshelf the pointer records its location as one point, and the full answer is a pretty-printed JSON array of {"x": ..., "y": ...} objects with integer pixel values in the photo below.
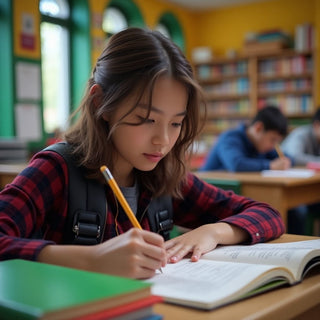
[
  {"x": 237, "y": 88},
  {"x": 287, "y": 80},
  {"x": 226, "y": 83}
]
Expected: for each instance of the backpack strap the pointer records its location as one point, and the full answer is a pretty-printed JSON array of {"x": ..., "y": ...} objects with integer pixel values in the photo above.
[
  {"x": 87, "y": 204},
  {"x": 160, "y": 213}
]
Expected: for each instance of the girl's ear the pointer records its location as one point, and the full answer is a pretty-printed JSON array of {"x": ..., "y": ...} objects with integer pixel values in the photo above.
[{"x": 96, "y": 92}]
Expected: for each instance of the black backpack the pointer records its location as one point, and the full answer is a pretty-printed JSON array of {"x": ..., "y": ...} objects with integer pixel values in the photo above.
[{"x": 87, "y": 207}]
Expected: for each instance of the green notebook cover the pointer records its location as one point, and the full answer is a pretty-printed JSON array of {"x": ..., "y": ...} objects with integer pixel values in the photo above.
[{"x": 34, "y": 290}]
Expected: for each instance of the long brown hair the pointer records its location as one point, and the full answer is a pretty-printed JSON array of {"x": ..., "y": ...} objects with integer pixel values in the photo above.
[{"x": 131, "y": 62}]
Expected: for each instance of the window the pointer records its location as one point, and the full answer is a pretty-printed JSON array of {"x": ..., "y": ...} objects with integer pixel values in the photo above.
[
  {"x": 55, "y": 8},
  {"x": 169, "y": 26},
  {"x": 163, "y": 29},
  {"x": 55, "y": 63},
  {"x": 114, "y": 21},
  {"x": 119, "y": 15}
]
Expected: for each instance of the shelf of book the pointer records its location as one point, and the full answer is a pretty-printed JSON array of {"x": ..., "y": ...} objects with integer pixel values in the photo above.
[
  {"x": 286, "y": 79},
  {"x": 237, "y": 88},
  {"x": 301, "y": 75}
]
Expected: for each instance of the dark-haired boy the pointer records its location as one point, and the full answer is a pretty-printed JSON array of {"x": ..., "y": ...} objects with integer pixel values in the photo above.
[{"x": 252, "y": 147}]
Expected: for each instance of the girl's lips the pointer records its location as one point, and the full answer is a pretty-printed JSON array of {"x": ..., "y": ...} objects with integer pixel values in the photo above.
[{"x": 154, "y": 157}]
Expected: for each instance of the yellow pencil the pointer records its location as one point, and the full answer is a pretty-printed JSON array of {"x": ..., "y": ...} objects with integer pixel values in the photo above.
[
  {"x": 115, "y": 188},
  {"x": 279, "y": 151}
]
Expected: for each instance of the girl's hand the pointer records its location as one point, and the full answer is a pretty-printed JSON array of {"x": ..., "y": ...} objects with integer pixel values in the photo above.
[
  {"x": 135, "y": 254},
  {"x": 202, "y": 240}
]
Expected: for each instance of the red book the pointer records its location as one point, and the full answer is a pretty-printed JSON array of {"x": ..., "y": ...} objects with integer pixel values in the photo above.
[
  {"x": 133, "y": 310},
  {"x": 313, "y": 165}
]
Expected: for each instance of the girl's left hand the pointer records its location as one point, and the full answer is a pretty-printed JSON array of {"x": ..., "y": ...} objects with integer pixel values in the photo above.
[{"x": 202, "y": 240}]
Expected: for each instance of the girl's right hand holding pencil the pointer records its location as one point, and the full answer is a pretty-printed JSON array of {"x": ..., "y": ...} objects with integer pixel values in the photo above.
[{"x": 135, "y": 254}]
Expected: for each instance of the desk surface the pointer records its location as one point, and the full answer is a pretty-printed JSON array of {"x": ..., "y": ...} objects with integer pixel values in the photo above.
[
  {"x": 300, "y": 301},
  {"x": 9, "y": 171},
  {"x": 12, "y": 168},
  {"x": 283, "y": 303},
  {"x": 257, "y": 178},
  {"x": 283, "y": 193}
]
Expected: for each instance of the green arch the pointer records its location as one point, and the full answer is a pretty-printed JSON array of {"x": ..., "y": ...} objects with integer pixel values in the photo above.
[
  {"x": 172, "y": 23},
  {"x": 130, "y": 11}
]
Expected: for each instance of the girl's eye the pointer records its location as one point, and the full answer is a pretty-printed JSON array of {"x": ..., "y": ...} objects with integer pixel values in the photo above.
[
  {"x": 145, "y": 120},
  {"x": 177, "y": 124}
]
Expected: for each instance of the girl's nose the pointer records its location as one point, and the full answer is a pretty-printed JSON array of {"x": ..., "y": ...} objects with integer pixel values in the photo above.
[{"x": 161, "y": 136}]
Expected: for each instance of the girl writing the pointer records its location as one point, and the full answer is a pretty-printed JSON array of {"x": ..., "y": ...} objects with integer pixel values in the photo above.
[{"x": 139, "y": 116}]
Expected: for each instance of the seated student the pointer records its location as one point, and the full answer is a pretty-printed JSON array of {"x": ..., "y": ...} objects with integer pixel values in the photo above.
[
  {"x": 139, "y": 116},
  {"x": 251, "y": 148},
  {"x": 303, "y": 143}
]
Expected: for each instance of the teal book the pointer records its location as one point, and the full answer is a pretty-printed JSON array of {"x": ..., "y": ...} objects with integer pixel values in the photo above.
[{"x": 34, "y": 290}]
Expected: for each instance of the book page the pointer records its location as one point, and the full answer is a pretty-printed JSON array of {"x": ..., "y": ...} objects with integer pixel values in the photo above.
[
  {"x": 293, "y": 256},
  {"x": 207, "y": 284}
]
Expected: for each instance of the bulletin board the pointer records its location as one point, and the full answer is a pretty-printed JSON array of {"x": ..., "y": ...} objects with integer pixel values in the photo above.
[{"x": 28, "y": 113}]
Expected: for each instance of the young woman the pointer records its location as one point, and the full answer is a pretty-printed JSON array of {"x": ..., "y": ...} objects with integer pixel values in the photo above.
[{"x": 139, "y": 116}]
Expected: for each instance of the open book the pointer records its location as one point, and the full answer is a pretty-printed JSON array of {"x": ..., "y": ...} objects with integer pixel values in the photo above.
[
  {"x": 289, "y": 173},
  {"x": 231, "y": 273}
]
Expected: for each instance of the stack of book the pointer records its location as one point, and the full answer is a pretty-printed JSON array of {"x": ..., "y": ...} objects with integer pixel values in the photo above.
[
  {"x": 34, "y": 290},
  {"x": 269, "y": 41},
  {"x": 304, "y": 37},
  {"x": 13, "y": 151}
]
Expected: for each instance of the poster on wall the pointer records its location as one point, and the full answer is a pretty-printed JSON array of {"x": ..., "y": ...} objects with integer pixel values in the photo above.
[
  {"x": 28, "y": 34},
  {"x": 28, "y": 122},
  {"x": 28, "y": 81}
]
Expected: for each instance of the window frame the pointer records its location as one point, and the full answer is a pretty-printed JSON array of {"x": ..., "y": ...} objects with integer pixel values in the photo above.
[
  {"x": 130, "y": 11},
  {"x": 64, "y": 23},
  {"x": 172, "y": 24}
]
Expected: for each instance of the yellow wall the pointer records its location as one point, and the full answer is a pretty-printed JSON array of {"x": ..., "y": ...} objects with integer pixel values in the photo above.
[
  {"x": 151, "y": 11},
  {"x": 96, "y": 10},
  {"x": 26, "y": 10},
  {"x": 226, "y": 28},
  {"x": 221, "y": 29}
]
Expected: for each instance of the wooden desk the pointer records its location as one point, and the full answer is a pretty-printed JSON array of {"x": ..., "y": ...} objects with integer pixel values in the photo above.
[
  {"x": 282, "y": 193},
  {"x": 9, "y": 171},
  {"x": 297, "y": 302},
  {"x": 301, "y": 301}
]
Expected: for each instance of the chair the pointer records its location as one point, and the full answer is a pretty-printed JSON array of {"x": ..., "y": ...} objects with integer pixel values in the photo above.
[
  {"x": 312, "y": 226},
  {"x": 233, "y": 185}
]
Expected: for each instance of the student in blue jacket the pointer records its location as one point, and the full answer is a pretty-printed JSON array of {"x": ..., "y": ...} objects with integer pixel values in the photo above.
[{"x": 252, "y": 147}]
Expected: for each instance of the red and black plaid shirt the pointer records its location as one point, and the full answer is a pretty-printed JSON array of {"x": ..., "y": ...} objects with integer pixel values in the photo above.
[{"x": 37, "y": 199}]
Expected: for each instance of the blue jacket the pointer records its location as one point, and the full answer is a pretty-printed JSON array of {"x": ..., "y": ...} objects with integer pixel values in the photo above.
[{"x": 234, "y": 152}]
